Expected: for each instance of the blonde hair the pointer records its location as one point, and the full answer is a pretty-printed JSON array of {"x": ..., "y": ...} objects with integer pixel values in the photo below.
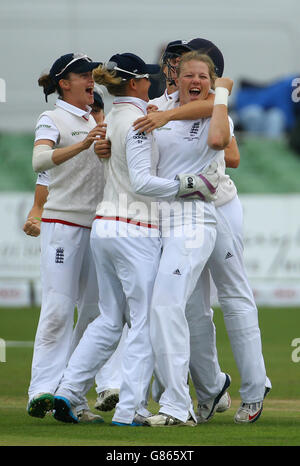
[
  {"x": 114, "y": 84},
  {"x": 194, "y": 55}
]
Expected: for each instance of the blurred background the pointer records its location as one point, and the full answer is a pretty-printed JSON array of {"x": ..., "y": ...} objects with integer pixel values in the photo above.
[{"x": 260, "y": 41}]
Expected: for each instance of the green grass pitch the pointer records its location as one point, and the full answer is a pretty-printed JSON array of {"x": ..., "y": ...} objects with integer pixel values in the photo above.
[{"x": 279, "y": 424}]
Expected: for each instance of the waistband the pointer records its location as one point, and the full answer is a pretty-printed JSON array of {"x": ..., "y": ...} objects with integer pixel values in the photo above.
[
  {"x": 64, "y": 222},
  {"x": 126, "y": 220}
]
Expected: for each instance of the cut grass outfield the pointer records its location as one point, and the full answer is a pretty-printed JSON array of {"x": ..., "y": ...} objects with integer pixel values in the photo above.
[{"x": 278, "y": 426}]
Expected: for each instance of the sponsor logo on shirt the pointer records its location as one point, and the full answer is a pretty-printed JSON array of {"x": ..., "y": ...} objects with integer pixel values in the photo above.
[
  {"x": 140, "y": 137},
  {"x": 42, "y": 126},
  {"x": 76, "y": 133}
]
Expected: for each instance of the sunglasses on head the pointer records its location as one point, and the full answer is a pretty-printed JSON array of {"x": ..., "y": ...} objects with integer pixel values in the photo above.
[
  {"x": 113, "y": 66},
  {"x": 77, "y": 56}
]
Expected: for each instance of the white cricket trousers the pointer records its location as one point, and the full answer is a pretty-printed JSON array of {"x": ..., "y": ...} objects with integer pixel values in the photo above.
[
  {"x": 205, "y": 371},
  {"x": 68, "y": 279},
  {"x": 183, "y": 259},
  {"x": 236, "y": 299},
  {"x": 126, "y": 263}
]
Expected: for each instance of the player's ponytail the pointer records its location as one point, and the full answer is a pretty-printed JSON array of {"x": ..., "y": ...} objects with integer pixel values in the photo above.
[
  {"x": 49, "y": 86},
  {"x": 114, "y": 85}
]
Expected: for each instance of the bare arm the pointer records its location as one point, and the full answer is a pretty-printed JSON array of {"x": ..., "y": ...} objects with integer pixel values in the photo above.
[
  {"x": 232, "y": 154},
  {"x": 32, "y": 224},
  {"x": 63, "y": 154},
  {"x": 219, "y": 129},
  {"x": 191, "y": 111}
]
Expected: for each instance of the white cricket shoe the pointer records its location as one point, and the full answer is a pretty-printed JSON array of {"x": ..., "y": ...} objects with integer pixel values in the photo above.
[
  {"x": 161, "y": 419},
  {"x": 207, "y": 410},
  {"x": 85, "y": 416},
  {"x": 224, "y": 403},
  {"x": 248, "y": 412},
  {"x": 107, "y": 400},
  {"x": 141, "y": 420}
]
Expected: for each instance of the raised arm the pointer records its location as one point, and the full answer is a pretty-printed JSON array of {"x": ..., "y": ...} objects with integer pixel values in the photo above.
[
  {"x": 219, "y": 129},
  {"x": 232, "y": 154},
  {"x": 45, "y": 157},
  {"x": 191, "y": 111}
]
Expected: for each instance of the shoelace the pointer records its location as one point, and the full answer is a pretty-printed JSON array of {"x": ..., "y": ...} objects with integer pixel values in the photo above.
[{"x": 252, "y": 406}]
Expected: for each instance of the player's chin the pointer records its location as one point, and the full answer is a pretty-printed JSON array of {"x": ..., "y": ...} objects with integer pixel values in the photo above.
[{"x": 193, "y": 98}]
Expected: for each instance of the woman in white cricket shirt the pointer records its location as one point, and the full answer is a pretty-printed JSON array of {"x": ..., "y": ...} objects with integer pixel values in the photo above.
[
  {"x": 108, "y": 378},
  {"x": 229, "y": 274},
  {"x": 62, "y": 146},
  {"x": 126, "y": 247},
  {"x": 186, "y": 146}
]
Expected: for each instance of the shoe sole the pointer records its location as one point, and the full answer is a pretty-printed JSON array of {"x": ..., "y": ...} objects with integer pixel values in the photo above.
[
  {"x": 63, "y": 411},
  {"x": 95, "y": 421},
  {"x": 183, "y": 424},
  {"x": 123, "y": 424},
  {"x": 39, "y": 407},
  {"x": 218, "y": 397},
  {"x": 179, "y": 424},
  {"x": 108, "y": 404},
  {"x": 222, "y": 410}
]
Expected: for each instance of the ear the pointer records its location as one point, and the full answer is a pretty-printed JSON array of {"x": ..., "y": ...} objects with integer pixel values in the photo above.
[
  {"x": 132, "y": 84},
  {"x": 64, "y": 84}
]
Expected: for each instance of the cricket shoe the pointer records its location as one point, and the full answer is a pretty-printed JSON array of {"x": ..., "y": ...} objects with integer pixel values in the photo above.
[
  {"x": 85, "y": 416},
  {"x": 40, "y": 404},
  {"x": 224, "y": 403},
  {"x": 162, "y": 419},
  {"x": 206, "y": 411},
  {"x": 138, "y": 421},
  {"x": 124, "y": 424},
  {"x": 267, "y": 391},
  {"x": 248, "y": 412},
  {"x": 63, "y": 410},
  {"x": 107, "y": 400}
]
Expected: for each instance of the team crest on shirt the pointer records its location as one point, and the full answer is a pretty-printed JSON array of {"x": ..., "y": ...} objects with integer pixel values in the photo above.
[
  {"x": 59, "y": 256},
  {"x": 193, "y": 132}
]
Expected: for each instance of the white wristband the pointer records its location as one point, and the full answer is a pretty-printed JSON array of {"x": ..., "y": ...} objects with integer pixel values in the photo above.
[
  {"x": 221, "y": 96},
  {"x": 42, "y": 158}
]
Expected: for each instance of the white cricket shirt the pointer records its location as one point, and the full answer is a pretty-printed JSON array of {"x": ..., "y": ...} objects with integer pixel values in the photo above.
[
  {"x": 132, "y": 187},
  {"x": 75, "y": 186},
  {"x": 183, "y": 147},
  {"x": 226, "y": 189}
]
